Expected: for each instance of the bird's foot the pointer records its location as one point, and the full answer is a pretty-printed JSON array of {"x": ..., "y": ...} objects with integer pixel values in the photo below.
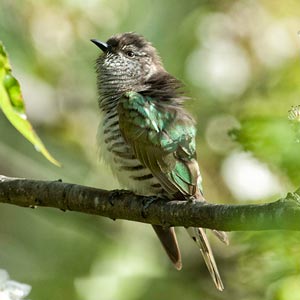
[
  {"x": 146, "y": 203},
  {"x": 192, "y": 199},
  {"x": 113, "y": 195},
  {"x": 196, "y": 199}
]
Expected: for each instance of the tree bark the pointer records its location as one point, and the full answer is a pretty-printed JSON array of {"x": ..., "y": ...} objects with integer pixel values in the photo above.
[{"x": 120, "y": 204}]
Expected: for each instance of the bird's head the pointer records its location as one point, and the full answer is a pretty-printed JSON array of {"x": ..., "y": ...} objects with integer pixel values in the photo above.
[{"x": 127, "y": 62}]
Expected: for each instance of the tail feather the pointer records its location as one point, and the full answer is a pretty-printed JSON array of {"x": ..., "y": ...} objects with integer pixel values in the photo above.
[
  {"x": 168, "y": 239},
  {"x": 199, "y": 236},
  {"x": 222, "y": 236}
]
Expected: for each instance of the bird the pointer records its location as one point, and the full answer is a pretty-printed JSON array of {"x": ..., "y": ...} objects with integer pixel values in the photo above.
[{"x": 147, "y": 137}]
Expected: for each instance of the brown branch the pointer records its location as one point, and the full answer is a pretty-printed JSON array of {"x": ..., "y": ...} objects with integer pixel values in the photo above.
[{"x": 120, "y": 204}]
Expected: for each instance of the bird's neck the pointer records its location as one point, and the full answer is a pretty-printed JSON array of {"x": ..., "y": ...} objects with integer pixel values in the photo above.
[
  {"x": 161, "y": 87},
  {"x": 111, "y": 89},
  {"x": 164, "y": 87}
]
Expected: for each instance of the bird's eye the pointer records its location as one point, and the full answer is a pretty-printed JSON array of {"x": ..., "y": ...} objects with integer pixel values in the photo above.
[{"x": 130, "y": 53}]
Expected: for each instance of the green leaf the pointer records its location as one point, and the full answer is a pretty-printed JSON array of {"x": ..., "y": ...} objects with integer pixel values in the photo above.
[
  {"x": 273, "y": 140},
  {"x": 12, "y": 105}
]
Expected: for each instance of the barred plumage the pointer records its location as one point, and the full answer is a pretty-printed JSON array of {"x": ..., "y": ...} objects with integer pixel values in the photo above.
[{"x": 123, "y": 162}]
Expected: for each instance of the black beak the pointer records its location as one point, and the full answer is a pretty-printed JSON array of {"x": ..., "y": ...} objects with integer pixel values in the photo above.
[{"x": 103, "y": 46}]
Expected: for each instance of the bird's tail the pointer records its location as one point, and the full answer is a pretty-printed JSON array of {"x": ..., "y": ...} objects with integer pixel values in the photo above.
[
  {"x": 168, "y": 239},
  {"x": 222, "y": 236},
  {"x": 200, "y": 238}
]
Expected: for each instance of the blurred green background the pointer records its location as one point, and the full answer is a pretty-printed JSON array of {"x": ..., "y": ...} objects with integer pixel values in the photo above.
[{"x": 240, "y": 63}]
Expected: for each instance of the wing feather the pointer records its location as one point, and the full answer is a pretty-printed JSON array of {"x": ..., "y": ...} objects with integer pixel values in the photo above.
[{"x": 163, "y": 139}]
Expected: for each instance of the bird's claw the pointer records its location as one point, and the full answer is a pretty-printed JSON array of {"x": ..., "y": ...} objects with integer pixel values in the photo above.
[
  {"x": 192, "y": 199},
  {"x": 115, "y": 194},
  {"x": 146, "y": 203}
]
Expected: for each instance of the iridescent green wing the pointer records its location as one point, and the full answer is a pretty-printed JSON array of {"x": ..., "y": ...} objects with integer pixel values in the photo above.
[{"x": 162, "y": 137}]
